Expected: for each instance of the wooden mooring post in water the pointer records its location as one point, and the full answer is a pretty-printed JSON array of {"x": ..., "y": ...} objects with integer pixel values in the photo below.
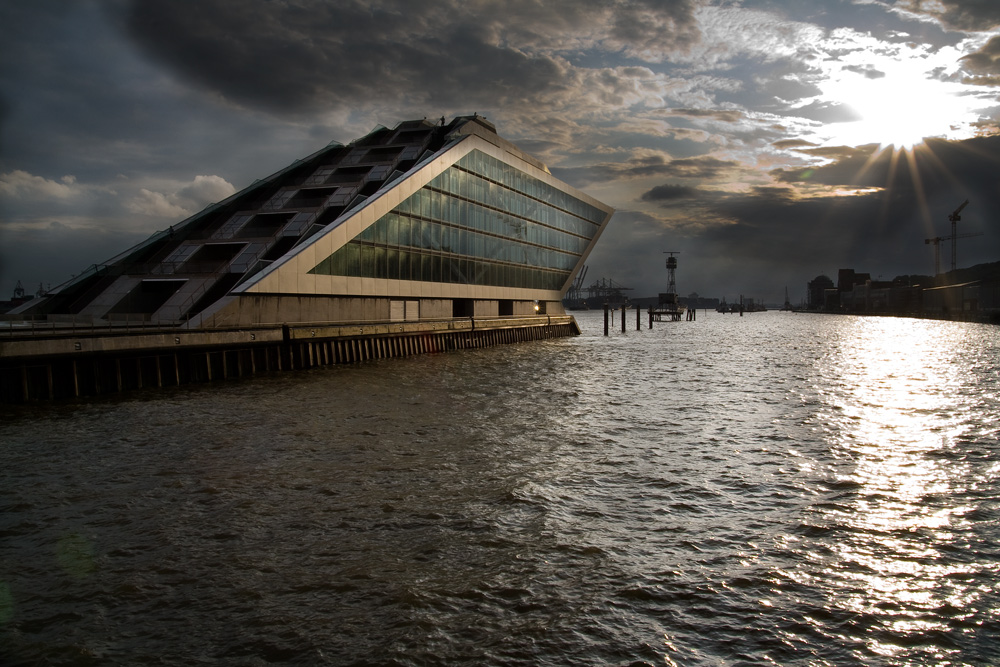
[{"x": 609, "y": 316}]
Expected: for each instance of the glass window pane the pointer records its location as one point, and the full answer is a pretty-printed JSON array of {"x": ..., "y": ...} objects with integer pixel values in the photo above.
[
  {"x": 392, "y": 229},
  {"x": 404, "y": 265},
  {"x": 392, "y": 264},
  {"x": 368, "y": 261},
  {"x": 338, "y": 263},
  {"x": 426, "y": 268},
  {"x": 353, "y": 252},
  {"x": 436, "y": 268}
]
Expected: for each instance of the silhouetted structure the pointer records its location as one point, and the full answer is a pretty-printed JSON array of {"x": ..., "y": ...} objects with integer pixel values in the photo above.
[
  {"x": 967, "y": 294},
  {"x": 816, "y": 290}
]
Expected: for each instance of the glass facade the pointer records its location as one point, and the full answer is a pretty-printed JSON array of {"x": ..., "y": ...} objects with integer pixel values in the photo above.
[{"x": 480, "y": 222}]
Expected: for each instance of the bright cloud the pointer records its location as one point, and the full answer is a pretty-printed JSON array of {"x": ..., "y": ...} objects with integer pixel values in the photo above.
[
  {"x": 22, "y": 185},
  {"x": 182, "y": 202},
  {"x": 205, "y": 190},
  {"x": 155, "y": 204}
]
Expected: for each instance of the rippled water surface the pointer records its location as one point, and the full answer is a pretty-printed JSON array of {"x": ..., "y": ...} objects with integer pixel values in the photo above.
[{"x": 772, "y": 489}]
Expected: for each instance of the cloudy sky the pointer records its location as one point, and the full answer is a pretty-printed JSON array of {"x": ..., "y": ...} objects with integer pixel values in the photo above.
[{"x": 768, "y": 141}]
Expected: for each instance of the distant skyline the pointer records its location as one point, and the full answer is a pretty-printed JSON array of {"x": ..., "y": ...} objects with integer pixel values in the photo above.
[{"x": 766, "y": 141}]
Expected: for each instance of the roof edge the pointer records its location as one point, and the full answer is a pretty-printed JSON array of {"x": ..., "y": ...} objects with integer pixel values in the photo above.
[{"x": 478, "y": 125}]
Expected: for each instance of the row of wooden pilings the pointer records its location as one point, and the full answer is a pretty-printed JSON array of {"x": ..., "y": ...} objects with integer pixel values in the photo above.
[
  {"x": 93, "y": 374},
  {"x": 327, "y": 352},
  {"x": 638, "y": 321}
]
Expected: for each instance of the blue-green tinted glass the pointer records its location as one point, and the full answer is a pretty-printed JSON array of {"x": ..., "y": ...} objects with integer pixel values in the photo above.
[{"x": 480, "y": 222}]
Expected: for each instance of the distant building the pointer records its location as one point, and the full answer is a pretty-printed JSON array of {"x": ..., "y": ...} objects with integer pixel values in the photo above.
[
  {"x": 816, "y": 289},
  {"x": 848, "y": 279},
  {"x": 18, "y": 298},
  {"x": 429, "y": 220},
  {"x": 969, "y": 294},
  {"x": 697, "y": 302}
]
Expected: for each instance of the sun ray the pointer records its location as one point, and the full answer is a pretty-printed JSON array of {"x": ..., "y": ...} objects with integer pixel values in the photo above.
[
  {"x": 890, "y": 181},
  {"x": 918, "y": 184},
  {"x": 927, "y": 154}
]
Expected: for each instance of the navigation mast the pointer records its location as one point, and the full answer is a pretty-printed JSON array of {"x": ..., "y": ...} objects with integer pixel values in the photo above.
[{"x": 672, "y": 272}]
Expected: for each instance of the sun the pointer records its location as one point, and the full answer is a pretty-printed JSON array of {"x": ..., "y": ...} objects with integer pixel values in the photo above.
[{"x": 897, "y": 103}]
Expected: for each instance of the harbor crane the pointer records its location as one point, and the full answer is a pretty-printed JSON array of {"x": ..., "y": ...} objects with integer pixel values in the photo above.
[
  {"x": 580, "y": 277},
  {"x": 954, "y": 218},
  {"x": 953, "y": 237},
  {"x": 937, "y": 248}
]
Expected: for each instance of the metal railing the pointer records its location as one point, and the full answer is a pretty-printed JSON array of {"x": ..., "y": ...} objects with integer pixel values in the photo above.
[{"x": 37, "y": 326}]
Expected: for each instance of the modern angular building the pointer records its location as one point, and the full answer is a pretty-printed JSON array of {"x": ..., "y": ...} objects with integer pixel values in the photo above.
[{"x": 426, "y": 221}]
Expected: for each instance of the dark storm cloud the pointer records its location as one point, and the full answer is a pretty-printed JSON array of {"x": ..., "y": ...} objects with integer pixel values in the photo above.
[
  {"x": 938, "y": 166},
  {"x": 299, "y": 57},
  {"x": 866, "y": 71},
  {"x": 703, "y": 167},
  {"x": 841, "y": 152},
  {"x": 725, "y": 115},
  {"x": 973, "y": 15},
  {"x": 792, "y": 143},
  {"x": 668, "y": 193},
  {"x": 882, "y": 229},
  {"x": 863, "y": 210},
  {"x": 4, "y": 115},
  {"x": 775, "y": 228},
  {"x": 80, "y": 103},
  {"x": 984, "y": 64},
  {"x": 643, "y": 24},
  {"x": 304, "y": 55},
  {"x": 76, "y": 249},
  {"x": 46, "y": 76}
]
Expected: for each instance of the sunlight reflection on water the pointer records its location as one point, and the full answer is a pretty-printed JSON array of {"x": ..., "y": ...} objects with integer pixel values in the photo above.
[{"x": 897, "y": 394}]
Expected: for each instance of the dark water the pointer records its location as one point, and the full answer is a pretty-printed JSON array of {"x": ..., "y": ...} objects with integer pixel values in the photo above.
[{"x": 773, "y": 489}]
